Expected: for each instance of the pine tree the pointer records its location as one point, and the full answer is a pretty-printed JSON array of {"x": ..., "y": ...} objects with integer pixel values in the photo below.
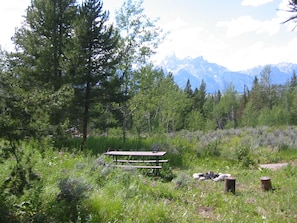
[
  {"x": 42, "y": 42},
  {"x": 188, "y": 89},
  {"x": 41, "y": 45},
  {"x": 93, "y": 63}
]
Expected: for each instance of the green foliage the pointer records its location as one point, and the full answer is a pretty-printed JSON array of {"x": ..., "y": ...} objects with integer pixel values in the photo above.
[
  {"x": 68, "y": 71},
  {"x": 94, "y": 57},
  {"x": 140, "y": 34},
  {"x": 182, "y": 180},
  {"x": 69, "y": 201},
  {"x": 292, "y": 104},
  {"x": 166, "y": 172},
  {"x": 139, "y": 38},
  {"x": 104, "y": 209},
  {"x": 72, "y": 189},
  {"x": 212, "y": 149},
  {"x": 195, "y": 121},
  {"x": 249, "y": 116},
  {"x": 80, "y": 187},
  {"x": 243, "y": 157},
  {"x": 63, "y": 76},
  {"x": 275, "y": 116},
  {"x": 224, "y": 111}
]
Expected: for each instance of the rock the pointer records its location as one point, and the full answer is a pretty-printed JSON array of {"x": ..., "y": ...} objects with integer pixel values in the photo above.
[
  {"x": 196, "y": 176},
  {"x": 222, "y": 177}
]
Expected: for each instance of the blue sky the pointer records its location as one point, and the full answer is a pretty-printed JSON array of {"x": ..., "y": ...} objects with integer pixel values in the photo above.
[{"x": 237, "y": 34}]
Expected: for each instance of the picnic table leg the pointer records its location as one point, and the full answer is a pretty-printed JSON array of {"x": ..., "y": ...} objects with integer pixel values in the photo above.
[{"x": 157, "y": 164}]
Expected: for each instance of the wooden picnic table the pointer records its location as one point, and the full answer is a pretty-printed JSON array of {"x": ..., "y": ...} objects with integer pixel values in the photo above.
[{"x": 130, "y": 158}]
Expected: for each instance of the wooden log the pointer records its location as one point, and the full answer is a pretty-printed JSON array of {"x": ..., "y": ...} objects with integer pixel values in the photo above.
[
  {"x": 230, "y": 185},
  {"x": 266, "y": 183}
]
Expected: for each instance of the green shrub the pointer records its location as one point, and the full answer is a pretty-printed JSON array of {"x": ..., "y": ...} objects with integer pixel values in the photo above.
[
  {"x": 182, "y": 180},
  {"x": 211, "y": 150},
  {"x": 242, "y": 156},
  {"x": 72, "y": 189},
  {"x": 69, "y": 202},
  {"x": 175, "y": 157},
  {"x": 6, "y": 210},
  {"x": 166, "y": 172}
]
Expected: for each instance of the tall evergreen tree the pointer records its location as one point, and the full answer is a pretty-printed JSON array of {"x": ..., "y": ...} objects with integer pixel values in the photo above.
[
  {"x": 260, "y": 95},
  {"x": 293, "y": 82},
  {"x": 41, "y": 45},
  {"x": 95, "y": 56},
  {"x": 24, "y": 114},
  {"x": 188, "y": 89},
  {"x": 42, "y": 42},
  {"x": 200, "y": 97}
]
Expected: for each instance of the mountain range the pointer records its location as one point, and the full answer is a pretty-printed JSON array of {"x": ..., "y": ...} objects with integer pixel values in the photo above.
[{"x": 219, "y": 77}]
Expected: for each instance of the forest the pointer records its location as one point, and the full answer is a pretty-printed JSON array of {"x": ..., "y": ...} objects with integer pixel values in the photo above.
[
  {"x": 76, "y": 82},
  {"x": 72, "y": 69}
]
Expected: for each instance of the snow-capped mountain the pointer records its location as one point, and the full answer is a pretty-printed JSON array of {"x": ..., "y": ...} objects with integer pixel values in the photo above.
[{"x": 218, "y": 77}]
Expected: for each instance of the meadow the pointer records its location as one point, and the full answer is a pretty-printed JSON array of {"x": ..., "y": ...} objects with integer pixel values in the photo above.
[{"x": 65, "y": 184}]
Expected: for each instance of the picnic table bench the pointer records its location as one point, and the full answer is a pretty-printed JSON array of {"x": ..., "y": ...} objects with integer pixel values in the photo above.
[{"x": 138, "y": 159}]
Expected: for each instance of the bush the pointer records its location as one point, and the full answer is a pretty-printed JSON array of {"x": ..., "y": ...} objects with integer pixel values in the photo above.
[
  {"x": 166, "y": 172},
  {"x": 72, "y": 189},
  {"x": 212, "y": 149},
  {"x": 242, "y": 156},
  {"x": 182, "y": 180},
  {"x": 69, "y": 202}
]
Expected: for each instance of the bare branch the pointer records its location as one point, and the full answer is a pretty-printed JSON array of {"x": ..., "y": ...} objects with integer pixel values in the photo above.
[{"x": 292, "y": 4}]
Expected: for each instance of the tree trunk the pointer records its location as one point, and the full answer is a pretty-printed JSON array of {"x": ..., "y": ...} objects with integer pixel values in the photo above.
[{"x": 86, "y": 115}]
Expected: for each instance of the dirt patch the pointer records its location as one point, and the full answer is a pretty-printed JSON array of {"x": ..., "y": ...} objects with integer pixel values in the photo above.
[
  {"x": 276, "y": 166},
  {"x": 206, "y": 212}
]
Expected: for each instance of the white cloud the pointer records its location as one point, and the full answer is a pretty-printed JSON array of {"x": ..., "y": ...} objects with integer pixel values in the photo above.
[
  {"x": 287, "y": 53},
  {"x": 11, "y": 16},
  {"x": 176, "y": 24},
  {"x": 255, "y": 3},
  {"x": 183, "y": 42},
  {"x": 246, "y": 24},
  {"x": 238, "y": 44},
  {"x": 258, "y": 53}
]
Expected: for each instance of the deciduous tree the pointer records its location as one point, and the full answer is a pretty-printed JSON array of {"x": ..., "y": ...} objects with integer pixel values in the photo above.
[{"x": 140, "y": 37}]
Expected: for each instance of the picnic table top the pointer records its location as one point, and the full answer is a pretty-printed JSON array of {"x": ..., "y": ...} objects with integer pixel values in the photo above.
[{"x": 135, "y": 153}]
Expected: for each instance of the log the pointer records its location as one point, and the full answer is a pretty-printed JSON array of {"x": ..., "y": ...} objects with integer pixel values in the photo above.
[
  {"x": 230, "y": 185},
  {"x": 266, "y": 183}
]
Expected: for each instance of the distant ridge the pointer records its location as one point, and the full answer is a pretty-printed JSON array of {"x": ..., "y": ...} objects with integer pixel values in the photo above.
[{"x": 218, "y": 77}]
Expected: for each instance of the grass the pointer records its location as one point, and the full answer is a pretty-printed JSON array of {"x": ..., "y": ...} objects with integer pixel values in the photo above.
[{"x": 77, "y": 186}]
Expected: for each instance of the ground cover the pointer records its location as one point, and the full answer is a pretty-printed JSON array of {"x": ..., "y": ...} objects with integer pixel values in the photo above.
[{"x": 73, "y": 186}]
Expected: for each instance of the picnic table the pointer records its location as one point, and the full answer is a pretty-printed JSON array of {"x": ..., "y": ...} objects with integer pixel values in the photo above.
[{"x": 138, "y": 159}]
